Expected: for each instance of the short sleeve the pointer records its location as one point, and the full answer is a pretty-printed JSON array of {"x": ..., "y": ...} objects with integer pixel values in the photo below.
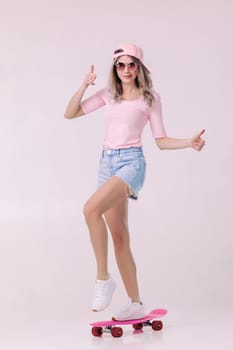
[
  {"x": 94, "y": 102},
  {"x": 156, "y": 118}
]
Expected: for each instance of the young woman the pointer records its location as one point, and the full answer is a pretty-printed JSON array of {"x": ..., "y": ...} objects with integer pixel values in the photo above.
[{"x": 129, "y": 104}]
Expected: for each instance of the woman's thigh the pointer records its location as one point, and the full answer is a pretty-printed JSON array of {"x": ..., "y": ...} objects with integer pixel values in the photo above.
[{"x": 108, "y": 196}]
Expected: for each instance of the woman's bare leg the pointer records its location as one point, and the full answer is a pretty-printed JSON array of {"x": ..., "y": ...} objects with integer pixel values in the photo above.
[
  {"x": 117, "y": 220},
  {"x": 109, "y": 195}
]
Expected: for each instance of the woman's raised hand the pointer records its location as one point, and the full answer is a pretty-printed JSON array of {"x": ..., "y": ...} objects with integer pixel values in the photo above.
[
  {"x": 90, "y": 77},
  {"x": 197, "y": 142}
]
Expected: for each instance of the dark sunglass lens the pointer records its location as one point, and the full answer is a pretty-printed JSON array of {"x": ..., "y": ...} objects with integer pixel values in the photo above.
[
  {"x": 120, "y": 65},
  {"x": 132, "y": 65}
]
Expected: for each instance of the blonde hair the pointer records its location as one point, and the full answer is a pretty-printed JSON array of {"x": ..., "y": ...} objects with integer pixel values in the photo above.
[{"x": 143, "y": 81}]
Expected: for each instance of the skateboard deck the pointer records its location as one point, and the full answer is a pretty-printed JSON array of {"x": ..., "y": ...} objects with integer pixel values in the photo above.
[{"x": 111, "y": 326}]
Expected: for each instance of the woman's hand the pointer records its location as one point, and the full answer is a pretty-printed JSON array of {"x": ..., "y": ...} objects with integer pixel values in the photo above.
[
  {"x": 90, "y": 77},
  {"x": 74, "y": 109},
  {"x": 197, "y": 142}
]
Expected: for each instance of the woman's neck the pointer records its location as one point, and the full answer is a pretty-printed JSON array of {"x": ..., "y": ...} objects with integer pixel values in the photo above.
[
  {"x": 131, "y": 92},
  {"x": 129, "y": 88}
]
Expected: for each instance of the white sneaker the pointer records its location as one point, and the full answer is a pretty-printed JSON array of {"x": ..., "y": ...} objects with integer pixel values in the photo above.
[
  {"x": 103, "y": 294},
  {"x": 132, "y": 311}
]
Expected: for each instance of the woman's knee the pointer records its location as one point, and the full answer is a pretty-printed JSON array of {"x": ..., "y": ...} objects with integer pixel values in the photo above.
[
  {"x": 120, "y": 240},
  {"x": 90, "y": 211}
]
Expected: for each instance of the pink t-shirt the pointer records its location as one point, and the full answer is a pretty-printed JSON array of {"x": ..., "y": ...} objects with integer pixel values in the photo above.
[{"x": 124, "y": 121}]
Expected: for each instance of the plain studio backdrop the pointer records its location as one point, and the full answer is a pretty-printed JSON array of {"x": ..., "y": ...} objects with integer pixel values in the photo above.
[{"x": 181, "y": 226}]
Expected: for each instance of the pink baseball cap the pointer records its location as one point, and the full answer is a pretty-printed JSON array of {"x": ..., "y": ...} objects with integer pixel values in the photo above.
[{"x": 129, "y": 50}]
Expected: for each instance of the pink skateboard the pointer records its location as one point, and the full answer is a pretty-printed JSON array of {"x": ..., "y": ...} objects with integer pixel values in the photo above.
[{"x": 110, "y": 326}]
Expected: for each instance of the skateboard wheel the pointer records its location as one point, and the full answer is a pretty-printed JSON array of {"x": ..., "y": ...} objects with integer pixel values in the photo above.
[
  {"x": 116, "y": 332},
  {"x": 138, "y": 326},
  {"x": 157, "y": 325},
  {"x": 97, "y": 331}
]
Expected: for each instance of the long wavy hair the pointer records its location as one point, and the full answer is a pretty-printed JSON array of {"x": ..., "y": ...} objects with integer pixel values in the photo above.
[{"x": 143, "y": 81}]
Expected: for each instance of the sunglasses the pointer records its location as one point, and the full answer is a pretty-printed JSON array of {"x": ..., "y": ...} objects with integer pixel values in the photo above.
[{"x": 121, "y": 66}]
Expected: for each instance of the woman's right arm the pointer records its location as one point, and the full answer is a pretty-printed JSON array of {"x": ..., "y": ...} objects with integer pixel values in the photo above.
[{"x": 74, "y": 109}]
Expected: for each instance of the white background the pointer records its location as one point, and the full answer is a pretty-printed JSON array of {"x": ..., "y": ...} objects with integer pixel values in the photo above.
[{"x": 181, "y": 227}]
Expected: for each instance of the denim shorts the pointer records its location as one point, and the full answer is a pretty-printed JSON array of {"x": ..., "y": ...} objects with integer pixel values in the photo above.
[{"x": 127, "y": 163}]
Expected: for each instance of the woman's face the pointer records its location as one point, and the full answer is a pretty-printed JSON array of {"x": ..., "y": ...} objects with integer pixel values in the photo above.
[{"x": 127, "y": 69}]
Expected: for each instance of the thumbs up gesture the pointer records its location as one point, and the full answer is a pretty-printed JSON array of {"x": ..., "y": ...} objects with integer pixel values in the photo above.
[
  {"x": 197, "y": 142},
  {"x": 90, "y": 77}
]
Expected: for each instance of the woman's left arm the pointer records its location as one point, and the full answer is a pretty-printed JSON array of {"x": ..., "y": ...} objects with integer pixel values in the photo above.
[{"x": 195, "y": 142}]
